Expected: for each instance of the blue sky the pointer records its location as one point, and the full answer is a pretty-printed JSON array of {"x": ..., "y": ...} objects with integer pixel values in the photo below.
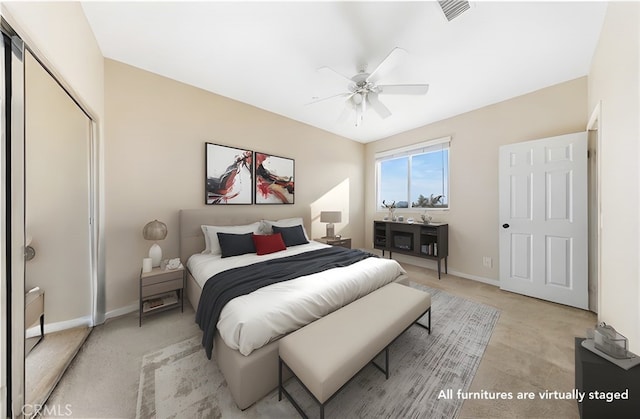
[{"x": 426, "y": 176}]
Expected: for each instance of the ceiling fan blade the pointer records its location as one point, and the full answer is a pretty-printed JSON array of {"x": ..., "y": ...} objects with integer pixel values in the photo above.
[
  {"x": 388, "y": 63},
  {"x": 403, "y": 89},
  {"x": 378, "y": 106},
  {"x": 345, "y": 94},
  {"x": 333, "y": 73}
]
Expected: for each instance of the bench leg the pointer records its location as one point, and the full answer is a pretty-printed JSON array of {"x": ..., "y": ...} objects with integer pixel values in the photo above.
[
  {"x": 279, "y": 379},
  {"x": 428, "y": 326},
  {"x": 386, "y": 363},
  {"x": 41, "y": 331},
  {"x": 282, "y": 390}
]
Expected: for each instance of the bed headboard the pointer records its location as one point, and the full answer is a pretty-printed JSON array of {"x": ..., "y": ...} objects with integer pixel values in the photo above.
[{"x": 191, "y": 237}]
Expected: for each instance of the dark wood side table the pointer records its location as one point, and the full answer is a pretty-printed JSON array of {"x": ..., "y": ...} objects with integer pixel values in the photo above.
[
  {"x": 596, "y": 374},
  {"x": 428, "y": 241}
]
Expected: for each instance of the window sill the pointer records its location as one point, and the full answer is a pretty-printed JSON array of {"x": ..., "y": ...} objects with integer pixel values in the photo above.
[{"x": 413, "y": 210}]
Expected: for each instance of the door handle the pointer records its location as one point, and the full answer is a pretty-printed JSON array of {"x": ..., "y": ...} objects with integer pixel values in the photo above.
[{"x": 505, "y": 225}]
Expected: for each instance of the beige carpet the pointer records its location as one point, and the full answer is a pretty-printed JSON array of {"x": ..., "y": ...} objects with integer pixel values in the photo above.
[
  {"x": 48, "y": 360},
  {"x": 178, "y": 381}
]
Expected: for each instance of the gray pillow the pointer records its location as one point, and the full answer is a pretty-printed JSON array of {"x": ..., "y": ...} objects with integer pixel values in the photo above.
[
  {"x": 235, "y": 244},
  {"x": 292, "y": 236}
]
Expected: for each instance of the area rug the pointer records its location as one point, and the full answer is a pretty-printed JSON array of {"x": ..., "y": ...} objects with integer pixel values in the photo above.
[{"x": 179, "y": 382}]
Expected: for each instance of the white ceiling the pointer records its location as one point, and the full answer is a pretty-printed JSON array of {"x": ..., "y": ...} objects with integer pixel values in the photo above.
[{"x": 266, "y": 54}]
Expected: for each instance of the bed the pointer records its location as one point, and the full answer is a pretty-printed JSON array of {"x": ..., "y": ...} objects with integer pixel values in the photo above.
[{"x": 249, "y": 377}]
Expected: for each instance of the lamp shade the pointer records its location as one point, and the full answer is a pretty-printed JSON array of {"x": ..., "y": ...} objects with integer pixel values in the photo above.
[
  {"x": 330, "y": 216},
  {"x": 155, "y": 230}
]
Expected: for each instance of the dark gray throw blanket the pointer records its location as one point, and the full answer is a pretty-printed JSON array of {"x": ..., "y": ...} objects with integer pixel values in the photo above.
[{"x": 225, "y": 286}]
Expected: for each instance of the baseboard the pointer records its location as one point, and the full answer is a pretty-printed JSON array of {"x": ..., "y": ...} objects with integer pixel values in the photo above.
[
  {"x": 58, "y": 326},
  {"x": 82, "y": 321},
  {"x": 489, "y": 281},
  {"x": 432, "y": 264},
  {"x": 122, "y": 311}
]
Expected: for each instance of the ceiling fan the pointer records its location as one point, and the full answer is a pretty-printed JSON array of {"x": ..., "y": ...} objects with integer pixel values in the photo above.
[{"x": 363, "y": 89}]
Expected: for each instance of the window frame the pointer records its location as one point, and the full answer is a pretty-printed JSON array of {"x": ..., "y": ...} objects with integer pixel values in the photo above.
[{"x": 406, "y": 151}]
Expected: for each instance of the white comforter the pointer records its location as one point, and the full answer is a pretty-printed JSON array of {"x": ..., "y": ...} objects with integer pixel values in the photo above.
[{"x": 253, "y": 320}]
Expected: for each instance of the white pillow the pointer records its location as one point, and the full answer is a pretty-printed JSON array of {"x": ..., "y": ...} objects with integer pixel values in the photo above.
[
  {"x": 285, "y": 222},
  {"x": 207, "y": 242},
  {"x": 212, "y": 245}
]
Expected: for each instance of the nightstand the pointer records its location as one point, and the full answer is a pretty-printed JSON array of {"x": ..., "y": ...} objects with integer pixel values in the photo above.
[
  {"x": 336, "y": 241},
  {"x": 160, "y": 290}
]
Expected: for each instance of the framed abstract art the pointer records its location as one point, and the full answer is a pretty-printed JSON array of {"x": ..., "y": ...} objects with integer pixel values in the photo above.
[
  {"x": 229, "y": 175},
  {"x": 274, "y": 179}
]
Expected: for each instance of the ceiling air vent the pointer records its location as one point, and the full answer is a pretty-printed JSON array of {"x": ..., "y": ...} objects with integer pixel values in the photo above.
[{"x": 453, "y": 8}]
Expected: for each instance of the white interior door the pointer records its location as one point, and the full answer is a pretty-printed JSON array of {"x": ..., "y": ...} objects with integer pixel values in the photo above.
[{"x": 543, "y": 219}]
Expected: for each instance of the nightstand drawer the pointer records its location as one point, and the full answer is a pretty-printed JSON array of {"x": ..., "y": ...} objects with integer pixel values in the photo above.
[
  {"x": 161, "y": 287},
  {"x": 161, "y": 277}
]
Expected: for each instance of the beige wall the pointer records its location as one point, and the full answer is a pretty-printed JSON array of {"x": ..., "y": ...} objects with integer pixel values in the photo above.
[
  {"x": 60, "y": 35},
  {"x": 155, "y": 166},
  {"x": 613, "y": 81},
  {"x": 475, "y": 138}
]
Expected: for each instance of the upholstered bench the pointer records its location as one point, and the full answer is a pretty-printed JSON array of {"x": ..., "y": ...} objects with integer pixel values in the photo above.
[{"x": 326, "y": 354}]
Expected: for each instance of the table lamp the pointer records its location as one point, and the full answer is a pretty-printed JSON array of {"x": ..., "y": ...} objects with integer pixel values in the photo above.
[
  {"x": 330, "y": 217},
  {"x": 155, "y": 230}
]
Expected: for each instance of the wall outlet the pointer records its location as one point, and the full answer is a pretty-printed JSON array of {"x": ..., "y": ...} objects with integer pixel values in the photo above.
[{"x": 487, "y": 262}]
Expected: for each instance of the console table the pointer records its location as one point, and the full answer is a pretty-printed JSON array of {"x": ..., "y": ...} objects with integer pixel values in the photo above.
[{"x": 428, "y": 241}]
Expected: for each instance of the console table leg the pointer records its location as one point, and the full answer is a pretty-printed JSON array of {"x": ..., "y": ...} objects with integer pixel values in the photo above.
[
  {"x": 446, "y": 269},
  {"x": 438, "y": 268}
]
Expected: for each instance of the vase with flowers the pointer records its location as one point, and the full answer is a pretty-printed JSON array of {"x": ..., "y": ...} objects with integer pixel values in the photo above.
[{"x": 391, "y": 207}]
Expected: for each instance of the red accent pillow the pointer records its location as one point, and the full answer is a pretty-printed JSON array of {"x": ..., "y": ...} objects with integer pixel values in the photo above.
[{"x": 269, "y": 243}]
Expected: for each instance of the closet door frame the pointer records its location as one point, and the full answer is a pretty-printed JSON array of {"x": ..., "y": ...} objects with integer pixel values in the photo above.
[{"x": 13, "y": 237}]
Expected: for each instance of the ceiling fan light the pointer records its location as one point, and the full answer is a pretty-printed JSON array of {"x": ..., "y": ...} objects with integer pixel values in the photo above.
[{"x": 357, "y": 98}]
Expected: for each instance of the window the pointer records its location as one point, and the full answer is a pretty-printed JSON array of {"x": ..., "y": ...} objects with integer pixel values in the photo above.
[{"x": 414, "y": 177}]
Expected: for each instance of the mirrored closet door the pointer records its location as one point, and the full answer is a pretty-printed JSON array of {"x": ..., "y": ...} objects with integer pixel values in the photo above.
[{"x": 58, "y": 289}]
